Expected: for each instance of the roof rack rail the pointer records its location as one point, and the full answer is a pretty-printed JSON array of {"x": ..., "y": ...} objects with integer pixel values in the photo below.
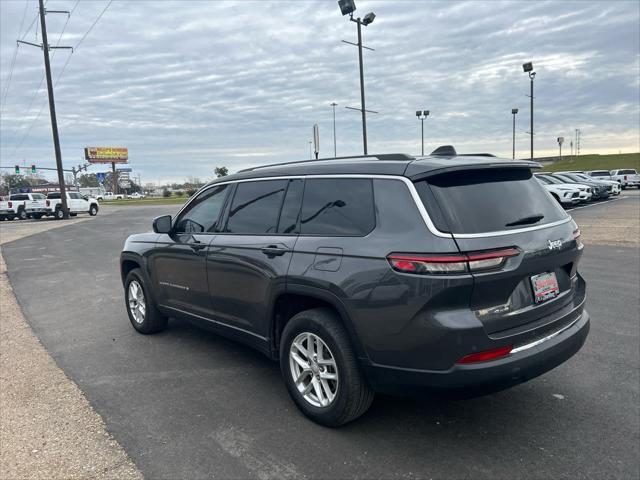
[
  {"x": 384, "y": 156},
  {"x": 476, "y": 155}
]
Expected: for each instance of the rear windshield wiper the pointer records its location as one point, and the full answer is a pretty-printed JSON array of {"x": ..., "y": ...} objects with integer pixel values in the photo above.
[{"x": 535, "y": 218}]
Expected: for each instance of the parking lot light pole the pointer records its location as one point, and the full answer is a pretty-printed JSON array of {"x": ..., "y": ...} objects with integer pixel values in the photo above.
[
  {"x": 514, "y": 112},
  {"x": 335, "y": 148},
  {"x": 422, "y": 115},
  {"x": 528, "y": 68},
  {"x": 347, "y": 7}
]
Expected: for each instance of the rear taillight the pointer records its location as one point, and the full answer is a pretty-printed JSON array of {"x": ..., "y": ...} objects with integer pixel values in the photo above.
[
  {"x": 10, "y": 205},
  {"x": 486, "y": 355},
  {"x": 625, "y": 177},
  {"x": 48, "y": 203},
  {"x": 443, "y": 264},
  {"x": 576, "y": 237}
]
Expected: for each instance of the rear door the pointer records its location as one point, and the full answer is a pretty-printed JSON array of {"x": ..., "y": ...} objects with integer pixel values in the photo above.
[
  {"x": 248, "y": 261},
  {"x": 505, "y": 212}
]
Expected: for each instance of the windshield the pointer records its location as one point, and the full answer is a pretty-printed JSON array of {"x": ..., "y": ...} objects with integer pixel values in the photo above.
[
  {"x": 551, "y": 179},
  {"x": 479, "y": 201},
  {"x": 626, "y": 172}
]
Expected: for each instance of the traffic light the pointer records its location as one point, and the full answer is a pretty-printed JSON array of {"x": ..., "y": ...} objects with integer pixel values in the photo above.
[
  {"x": 33, "y": 169},
  {"x": 17, "y": 169}
]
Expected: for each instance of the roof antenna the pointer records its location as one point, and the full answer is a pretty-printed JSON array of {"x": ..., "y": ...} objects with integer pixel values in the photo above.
[{"x": 445, "y": 151}]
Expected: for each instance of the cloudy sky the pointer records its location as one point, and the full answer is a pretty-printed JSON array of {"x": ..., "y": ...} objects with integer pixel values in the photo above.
[{"x": 188, "y": 86}]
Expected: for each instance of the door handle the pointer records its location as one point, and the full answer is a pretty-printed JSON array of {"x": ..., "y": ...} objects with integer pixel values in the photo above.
[
  {"x": 274, "y": 251},
  {"x": 197, "y": 246}
]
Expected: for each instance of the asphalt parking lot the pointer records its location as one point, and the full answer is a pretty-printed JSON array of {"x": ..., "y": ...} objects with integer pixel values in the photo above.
[{"x": 188, "y": 404}]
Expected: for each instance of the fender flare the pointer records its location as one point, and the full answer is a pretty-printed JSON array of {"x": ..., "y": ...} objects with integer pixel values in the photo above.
[{"x": 333, "y": 300}]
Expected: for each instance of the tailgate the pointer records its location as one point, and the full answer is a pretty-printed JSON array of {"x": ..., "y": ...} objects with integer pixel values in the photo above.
[{"x": 502, "y": 209}]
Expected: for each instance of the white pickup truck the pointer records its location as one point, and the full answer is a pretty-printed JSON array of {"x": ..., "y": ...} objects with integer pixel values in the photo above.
[
  {"x": 76, "y": 203},
  {"x": 9, "y": 209},
  {"x": 31, "y": 205},
  {"x": 111, "y": 196},
  {"x": 626, "y": 177}
]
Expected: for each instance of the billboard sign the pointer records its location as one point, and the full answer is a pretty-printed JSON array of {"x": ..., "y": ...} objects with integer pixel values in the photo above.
[{"x": 106, "y": 154}]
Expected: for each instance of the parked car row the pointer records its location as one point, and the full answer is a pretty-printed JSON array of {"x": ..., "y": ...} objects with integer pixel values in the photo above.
[
  {"x": 119, "y": 196},
  {"x": 36, "y": 205},
  {"x": 571, "y": 188},
  {"x": 625, "y": 177}
]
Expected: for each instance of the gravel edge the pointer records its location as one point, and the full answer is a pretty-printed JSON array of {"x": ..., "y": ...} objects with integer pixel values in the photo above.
[{"x": 48, "y": 429}]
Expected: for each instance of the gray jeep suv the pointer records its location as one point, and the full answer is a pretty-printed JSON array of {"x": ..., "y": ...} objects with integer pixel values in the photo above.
[{"x": 384, "y": 273}]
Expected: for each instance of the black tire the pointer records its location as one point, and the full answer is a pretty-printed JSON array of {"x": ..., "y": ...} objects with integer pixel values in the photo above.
[
  {"x": 153, "y": 321},
  {"x": 59, "y": 214},
  {"x": 353, "y": 396},
  {"x": 22, "y": 214},
  {"x": 93, "y": 210}
]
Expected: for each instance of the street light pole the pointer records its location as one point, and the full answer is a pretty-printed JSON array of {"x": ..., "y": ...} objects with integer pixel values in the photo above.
[
  {"x": 362, "y": 104},
  {"x": 335, "y": 148},
  {"x": 514, "y": 112},
  {"x": 347, "y": 7},
  {"x": 528, "y": 68},
  {"x": 532, "y": 76},
  {"x": 422, "y": 115}
]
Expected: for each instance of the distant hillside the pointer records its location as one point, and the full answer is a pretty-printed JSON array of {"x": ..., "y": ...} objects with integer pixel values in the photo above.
[{"x": 596, "y": 162}]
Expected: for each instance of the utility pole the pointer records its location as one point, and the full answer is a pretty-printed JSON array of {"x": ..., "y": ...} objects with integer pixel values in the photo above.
[
  {"x": 335, "y": 148},
  {"x": 52, "y": 106}
]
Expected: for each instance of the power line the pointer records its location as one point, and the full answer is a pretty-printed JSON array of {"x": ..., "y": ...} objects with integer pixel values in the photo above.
[
  {"x": 13, "y": 60},
  {"x": 38, "y": 89},
  {"x": 93, "y": 24},
  {"x": 24, "y": 137}
]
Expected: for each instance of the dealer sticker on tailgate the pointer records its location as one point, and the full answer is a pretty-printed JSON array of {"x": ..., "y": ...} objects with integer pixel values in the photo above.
[{"x": 545, "y": 286}]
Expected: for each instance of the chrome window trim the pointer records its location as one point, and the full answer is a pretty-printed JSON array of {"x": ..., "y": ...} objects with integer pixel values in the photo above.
[{"x": 412, "y": 190}]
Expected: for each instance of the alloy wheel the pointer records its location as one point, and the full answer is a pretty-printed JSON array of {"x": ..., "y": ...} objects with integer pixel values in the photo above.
[
  {"x": 314, "y": 370},
  {"x": 137, "y": 305}
]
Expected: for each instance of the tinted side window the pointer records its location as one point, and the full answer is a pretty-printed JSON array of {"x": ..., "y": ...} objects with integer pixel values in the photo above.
[
  {"x": 338, "y": 206},
  {"x": 291, "y": 208},
  {"x": 256, "y": 206},
  {"x": 74, "y": 195},
  {"x": 19, "y": 197},
  {"x": 203, "y": 212},
  {"x": 54, "y": 195}
]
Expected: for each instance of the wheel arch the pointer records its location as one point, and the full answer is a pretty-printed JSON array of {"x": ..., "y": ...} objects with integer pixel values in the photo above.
[{"x": 297, "y": 298}]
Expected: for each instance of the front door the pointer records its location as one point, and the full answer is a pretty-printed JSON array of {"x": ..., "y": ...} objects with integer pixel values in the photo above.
[
  {"x": 248, "y": 261},
  {"x": 179, "y": 262}
]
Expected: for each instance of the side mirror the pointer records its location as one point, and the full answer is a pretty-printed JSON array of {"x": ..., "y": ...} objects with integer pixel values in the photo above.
[{"x": 162, "y": 224}]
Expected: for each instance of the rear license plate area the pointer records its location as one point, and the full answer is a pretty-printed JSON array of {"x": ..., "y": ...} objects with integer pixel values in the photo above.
[{"x": 545, "y": 287}]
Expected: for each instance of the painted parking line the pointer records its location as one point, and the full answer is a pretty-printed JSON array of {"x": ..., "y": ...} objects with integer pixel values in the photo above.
[{"x": 604, "y": 202}]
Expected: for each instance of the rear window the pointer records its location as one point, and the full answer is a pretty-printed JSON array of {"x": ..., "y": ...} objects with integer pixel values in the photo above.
[
  {"x": 480, "y": 201},
  {"x": 53, "y": 195},
  {"x": 626, "y": 172},
  {"x": 600, "y": 173}
]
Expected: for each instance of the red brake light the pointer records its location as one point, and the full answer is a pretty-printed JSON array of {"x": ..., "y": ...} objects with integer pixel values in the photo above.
[
  {"x": 625, "y": 177},
  {"x": 486, "y": 355},
  {"x": 48, "y": 203},
  {"x": 10, "y": 205},
  {"x": 428, "y": 264}
]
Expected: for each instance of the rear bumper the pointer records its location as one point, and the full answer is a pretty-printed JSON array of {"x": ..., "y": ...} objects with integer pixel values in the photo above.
[{"x": 518, "y": 367}]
